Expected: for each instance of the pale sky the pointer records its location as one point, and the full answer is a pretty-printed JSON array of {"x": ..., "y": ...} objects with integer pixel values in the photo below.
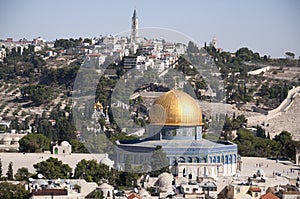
[{"x": 270, "y": 27}]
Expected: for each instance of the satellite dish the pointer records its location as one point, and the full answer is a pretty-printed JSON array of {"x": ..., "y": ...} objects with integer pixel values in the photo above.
[
  {"x": 40, "y": 176},
  {"x": 30, "y": 179}
]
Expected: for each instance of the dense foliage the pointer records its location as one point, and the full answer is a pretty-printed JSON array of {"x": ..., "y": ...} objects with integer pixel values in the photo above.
[
  {"x": 63, "y": 128},
  {"x": 92, "y": 171},
  {"x": 34, "y": 143},
  {"x": 159, "y": 162},
  {"x": 13, "y": 191},
  {"x": 52, "y": 168},
  {"x": 22, "y": 174},
  {"x": 38, "y": 94},
  {"x": 282, "y": 146},
  {"x": 67, "y": 43},
  {"x": 10, "y": 172}
]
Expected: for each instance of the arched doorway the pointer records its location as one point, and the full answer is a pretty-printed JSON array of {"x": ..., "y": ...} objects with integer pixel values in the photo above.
[{"x": 55, "y": 150}]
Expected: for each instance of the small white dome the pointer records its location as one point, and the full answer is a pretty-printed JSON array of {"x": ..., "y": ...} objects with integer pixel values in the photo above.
[
  {"x": 260, "y": 172},
  {"x": 165, "y": 180},
  {"x": 64, "y": 143},
  {"x": 106, "y": 160}
]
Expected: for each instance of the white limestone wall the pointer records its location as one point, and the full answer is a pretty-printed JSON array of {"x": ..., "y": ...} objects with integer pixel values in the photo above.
[
  {"x": 285, "y": 104},
  {"x": 259, "y": 71},
  {"x": 283, "y": 107}
]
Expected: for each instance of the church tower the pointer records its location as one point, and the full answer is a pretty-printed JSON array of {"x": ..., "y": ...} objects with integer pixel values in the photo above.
[
  {"x": 134, "y": 27},
  {"x": 214, "y": 42}
]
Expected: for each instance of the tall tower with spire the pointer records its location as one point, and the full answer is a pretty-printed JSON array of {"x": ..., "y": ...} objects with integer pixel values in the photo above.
[{"x": 134, "y": 27}]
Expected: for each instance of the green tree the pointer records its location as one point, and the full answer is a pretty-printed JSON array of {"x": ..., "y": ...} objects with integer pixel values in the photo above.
[
  {"x": 13, "y": 191},
  {"x": 78, "y": 147},
  {"x": 159, "y": 161},
  {"x": 34, "y": 143},
  {"x": 22, "y": 174},
  {"x": 192, "y": 48},
  {"x": 260, "y": 132},
  {"x": 92, "y": 171},
  {"x": 95, "y": 194},
  {"x": 10, "y": 172},
  {"x": 87, "y": 40},
  {"x": 128, "y": 178},
  {"x": 285, "y": 140},
  {"x": 52, "y": 168},
  {"x": 249, "y": 145},
  {"x": 244, "y": 54},
  {"x": 128, "y": 163},
  {"x": 38, "y": 94},
  {"x": 290, "y": 55},
  {"x": 99, "y": 143}
]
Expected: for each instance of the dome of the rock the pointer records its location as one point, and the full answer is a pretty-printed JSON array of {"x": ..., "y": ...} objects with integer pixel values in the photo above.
[{"x": 176, "y": 108}]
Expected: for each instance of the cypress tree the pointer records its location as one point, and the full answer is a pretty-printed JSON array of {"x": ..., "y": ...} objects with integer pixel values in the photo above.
[{"x": 10, "y": 173}]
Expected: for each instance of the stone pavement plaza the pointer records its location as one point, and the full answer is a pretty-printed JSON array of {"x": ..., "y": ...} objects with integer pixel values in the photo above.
[
  {"x": 29, "y": 159},
  {"x": 251, "y": 164}
]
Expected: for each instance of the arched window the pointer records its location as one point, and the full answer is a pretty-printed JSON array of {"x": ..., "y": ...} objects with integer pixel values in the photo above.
[
  {"x": 226, "y": 159},
  {"x": 189, "y": 159},
  {"x": 218, "y": 159},
  {"x": 181, "y": 159},
  {"x": 234, "y": 158}
]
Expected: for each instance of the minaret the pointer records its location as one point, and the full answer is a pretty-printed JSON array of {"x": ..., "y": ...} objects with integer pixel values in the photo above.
[
  {"x": 134, "y": 27},
  {"x": 214, "y": 42}
]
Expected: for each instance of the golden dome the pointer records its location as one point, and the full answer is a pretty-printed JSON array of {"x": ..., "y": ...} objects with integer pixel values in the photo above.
[
  {"x": 176, "y": 108},
  {"x": 98, "y": 105}
]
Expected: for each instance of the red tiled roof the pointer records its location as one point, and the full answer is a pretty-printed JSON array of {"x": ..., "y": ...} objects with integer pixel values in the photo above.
[
  {"x": 134, "y": 195},
  {"x": 255, "y": 189},
  {"x": 49, "y": 192},
  {"x": 269, "y": 196}
]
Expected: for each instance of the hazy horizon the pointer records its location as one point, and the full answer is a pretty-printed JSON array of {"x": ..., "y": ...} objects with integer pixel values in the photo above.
[{"x": 268, "y": 27}]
